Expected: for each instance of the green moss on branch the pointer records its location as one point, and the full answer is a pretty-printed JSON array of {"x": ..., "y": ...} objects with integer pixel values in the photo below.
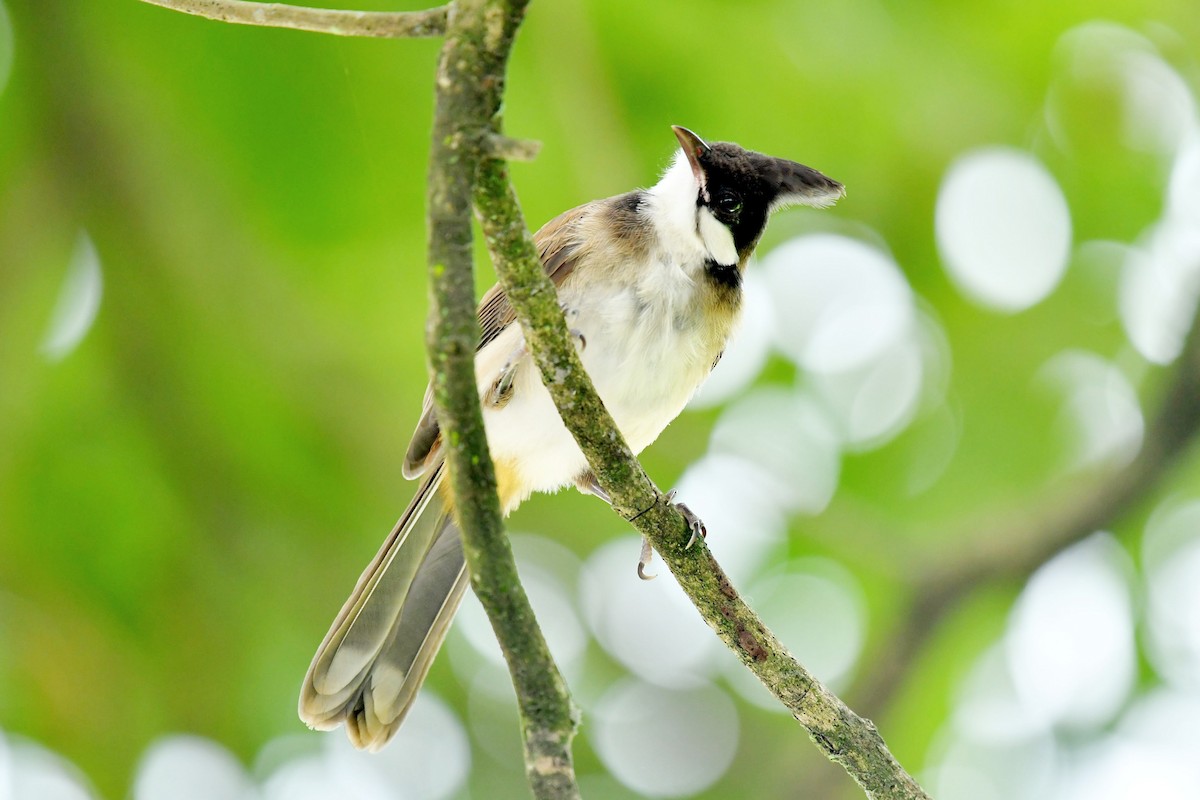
[{"x": 470, "y": 83}]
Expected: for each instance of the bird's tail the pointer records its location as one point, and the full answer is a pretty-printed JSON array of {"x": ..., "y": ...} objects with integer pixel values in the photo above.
[{"x": 379, "y": 649}]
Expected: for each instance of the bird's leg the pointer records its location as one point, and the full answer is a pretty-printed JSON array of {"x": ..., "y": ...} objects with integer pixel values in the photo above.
[{"x": 588, "y": 484}]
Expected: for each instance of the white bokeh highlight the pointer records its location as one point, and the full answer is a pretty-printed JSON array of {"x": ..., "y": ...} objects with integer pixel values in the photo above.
[
  {"x": 650, "y": 627},
  {"x": 1156, "y": 110},
  {"x": 791, "y": 439},
  {"x": 965, "y": 769},
  {"x": 664, "y": 742},
  {"x": 1070, "y": 640},
  {"x": 739, "y": 501},
  {"x": 872, "y": 403},
  {"x": 816, "y": 609},
  {"x": 1100, "y": 410},
  {"x": 184, "y": 767},
  {"x": 987, "y": 708},
  {"x": 31, "y": 772},
  {"x": 429, "y": 759},
  {"x": 1160, "y": 280},
  {"x": 839, "y": 302},
  {"x": 1171, "y": 554},
  {"x": 1119, "y": 768},
  {"x": 1159, "y": 286},
  {"x": 78, "y": 301},
  {"x": 550, "y": 574},
  {"x": 1158, "y": 114},
  {"x": 1164, "y": 718},
  {"x": 1003, "y": 228},
  {"x": 1151, "y": 754}
]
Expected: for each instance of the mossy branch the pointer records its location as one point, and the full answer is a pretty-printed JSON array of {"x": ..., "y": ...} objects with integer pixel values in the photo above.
[
  {"x": 844, "y": 737},
  {"x": 470, "y": 85}
]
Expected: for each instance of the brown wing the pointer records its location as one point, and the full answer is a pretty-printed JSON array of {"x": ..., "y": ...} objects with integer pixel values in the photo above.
[{"x": 558, "y": 243}]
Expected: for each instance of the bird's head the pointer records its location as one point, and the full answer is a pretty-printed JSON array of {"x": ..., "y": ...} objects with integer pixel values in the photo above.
[{"x": 736, "y": 190}]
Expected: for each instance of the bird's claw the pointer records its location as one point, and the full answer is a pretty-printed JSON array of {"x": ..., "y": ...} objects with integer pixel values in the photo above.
[
  {"x": 694, "y": 523},
  {"x": 644, "y": 559}
]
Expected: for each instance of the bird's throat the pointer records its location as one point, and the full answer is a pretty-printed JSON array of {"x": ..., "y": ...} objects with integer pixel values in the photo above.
[{"x": 723, "y": 276}]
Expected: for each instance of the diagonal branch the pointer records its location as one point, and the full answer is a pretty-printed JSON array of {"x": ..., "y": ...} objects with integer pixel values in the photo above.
[
  {"x": 849, "y": 740},
  {"x": 378, "y": 24},
  {"x": 470, "y": 85}
]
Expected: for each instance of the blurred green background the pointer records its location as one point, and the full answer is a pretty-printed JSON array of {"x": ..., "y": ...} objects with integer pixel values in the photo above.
[{"x": 187, "y": 495}]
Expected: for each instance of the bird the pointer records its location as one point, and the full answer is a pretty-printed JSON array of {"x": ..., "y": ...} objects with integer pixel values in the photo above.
[{"x": 651, "y": 284}]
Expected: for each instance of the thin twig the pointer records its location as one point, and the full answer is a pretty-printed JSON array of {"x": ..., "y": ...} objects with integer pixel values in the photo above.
[
  {"x": 470, "y": 85},
  {"x": 507, "y": 148},
  {"x": 378, "y": 24},
  {"x": 844, "y": 737}
]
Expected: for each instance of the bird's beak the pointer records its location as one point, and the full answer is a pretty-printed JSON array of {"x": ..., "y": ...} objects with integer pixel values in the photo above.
[{"x": 693, "y": 147}]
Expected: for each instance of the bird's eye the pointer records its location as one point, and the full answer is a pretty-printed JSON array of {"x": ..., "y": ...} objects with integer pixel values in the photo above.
[{"x": 728, "y": 203}]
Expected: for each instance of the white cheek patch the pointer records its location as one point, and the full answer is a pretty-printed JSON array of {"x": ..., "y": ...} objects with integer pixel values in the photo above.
[{"x": 717, "y": 238}]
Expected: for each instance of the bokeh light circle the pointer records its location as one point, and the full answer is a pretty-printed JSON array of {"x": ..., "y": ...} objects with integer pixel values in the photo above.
[
  {"x": 1070, "y": 641},
  {"x": 816, "y": 609},
  {"x": 191, "y": 768},
  {"x": 739, "y": 504},
  {"x": 649, "y": 626},
  {"x": 873, "y": 403},
  {"x": 1003, "y": 228},
  {"x": 793, "y": 441},
  {"x": 28, "y": 770},
  {"x": 838, "y": 302},
  {"x": 1171, "y": 553},
  {"x": 549, "y": 573},
  {"x": 429, "y": 758},
  {"x": 1157, "y": 297},
  {"x": 1100, "y": 409},
  {"x": 663, "y": 742}
]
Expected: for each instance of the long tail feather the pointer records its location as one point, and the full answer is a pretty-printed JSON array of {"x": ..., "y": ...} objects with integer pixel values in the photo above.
[{"x": 378, "y": 651}]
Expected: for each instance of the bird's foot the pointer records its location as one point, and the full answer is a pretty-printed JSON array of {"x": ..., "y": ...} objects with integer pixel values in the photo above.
[
  {"x": 694, "y": 523},
  {"x": 644, "y": 559}
]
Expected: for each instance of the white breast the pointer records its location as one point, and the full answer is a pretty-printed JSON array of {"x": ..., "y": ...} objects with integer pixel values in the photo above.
[
  {"x": 648, "y": 347},
  {"x": 646, "y": 355}
]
